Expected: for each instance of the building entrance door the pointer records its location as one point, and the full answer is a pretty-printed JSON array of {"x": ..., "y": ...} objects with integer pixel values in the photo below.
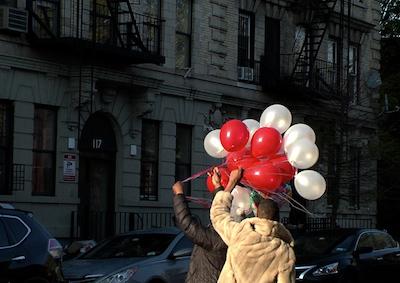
[{"x": 97, "y": 147}]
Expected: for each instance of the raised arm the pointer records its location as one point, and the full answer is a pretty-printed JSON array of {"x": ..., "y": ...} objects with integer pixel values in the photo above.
[
  {"x": 194, "y": 230},
  {"x": 221, "y": 206}
]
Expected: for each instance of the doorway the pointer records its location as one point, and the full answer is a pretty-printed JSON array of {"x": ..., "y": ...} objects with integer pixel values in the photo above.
[{"x": 97, "y": 151}]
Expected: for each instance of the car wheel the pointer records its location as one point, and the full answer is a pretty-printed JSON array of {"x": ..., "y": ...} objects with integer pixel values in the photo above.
[{"x": 156, "y": 281}]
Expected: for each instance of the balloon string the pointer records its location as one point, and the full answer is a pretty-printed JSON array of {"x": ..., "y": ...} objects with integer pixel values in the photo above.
[
  {"x": 201, "y": 173},
  {"x": 295, "y": 204}
]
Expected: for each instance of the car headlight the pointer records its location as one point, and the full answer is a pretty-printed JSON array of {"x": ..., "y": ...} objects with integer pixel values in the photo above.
[
  {"x": 119, "y": 277},
  {"x": 327, "y": 269}
]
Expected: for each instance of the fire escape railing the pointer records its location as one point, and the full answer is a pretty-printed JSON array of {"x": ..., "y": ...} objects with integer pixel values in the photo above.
[
  {"x": 324, "y": 73},
  {"x": 316, "y": 15},
  {"x": 112, "y": 23}
]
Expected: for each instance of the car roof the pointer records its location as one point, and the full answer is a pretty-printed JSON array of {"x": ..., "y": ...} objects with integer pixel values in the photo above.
[
  {"x": 165, "y": 230},
  {"x": 342, "y": 231},
  {"x": 13, "y": 211}
]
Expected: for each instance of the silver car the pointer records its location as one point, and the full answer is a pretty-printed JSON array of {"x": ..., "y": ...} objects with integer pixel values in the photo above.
[{"x": 151, "y": 256}]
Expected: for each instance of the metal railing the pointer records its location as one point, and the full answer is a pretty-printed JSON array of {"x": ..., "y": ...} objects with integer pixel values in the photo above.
[
  {"x": 100, "y": 224},
  {"x": 79, "y": 19},
  {"x": 324, "y": 223},
  {"x": 323, "y": 75}
]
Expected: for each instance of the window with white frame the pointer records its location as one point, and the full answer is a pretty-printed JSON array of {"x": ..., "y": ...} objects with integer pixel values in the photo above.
[
  {"x": 183, "y": 35},
  {"x": 44, "y": 150},
  {"x": 149, "y": 161},
  {"x": 6, "y": 116},
  {"x": 183, "y": 157},
  {"x": 332, "y": 60},
  {"x": 353, "y": 78},
  {"x": 245, "y": 46}
]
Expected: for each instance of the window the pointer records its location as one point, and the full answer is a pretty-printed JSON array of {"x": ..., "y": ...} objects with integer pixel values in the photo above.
[
  {"x": 183, "y": 243},
  {"x": 332, "y": 183},
  {"x": 149, "y": 164},
  {"x": 246, "y": 46},
  {"x": 183, "y": 33},
  {"x": 183, "y": 158},
  {"x": 332, "y": 59},
  {"x": 102, "y": 21},
  {"x": 152, "y": 7},
  {"x": 17, "y": 228},
  {"x": 9, "y": 3},
  {"x": 354, "y": 186},
  {"x": 353, "y": 80},
  {"x": 6, "y": 116},
  {"x": 383, "y": 241},
  {"x": 366, "y": 240},
  {"x": 44, "y": 151},
  {"x": 272, "y": 51},
  {"x": 3, "y": 235}
]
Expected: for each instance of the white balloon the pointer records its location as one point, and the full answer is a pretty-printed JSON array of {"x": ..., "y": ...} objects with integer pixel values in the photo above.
[
  {"x": 297, "y": 132},
  {"x": 213, "y": 146},
  {"x": 310, "y": 184},
  {"x": 253, "y": 126},
  {"x": 303, "y": 154},
  {"x": 276, "y": 116},
  {"x": 241, "y": 202}
]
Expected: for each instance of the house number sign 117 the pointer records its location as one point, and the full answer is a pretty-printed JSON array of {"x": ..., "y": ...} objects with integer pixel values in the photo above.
[{"x": 96, "y": 143}]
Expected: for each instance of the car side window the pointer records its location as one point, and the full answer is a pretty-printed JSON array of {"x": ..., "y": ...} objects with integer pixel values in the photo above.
[
  {"x": 383, "y": 241},
  {"x": 17, "y": 228},
  {"x": 3, "y": 235},
  {"x": 183, "y": 243},
  {"x": 366, "y": 241}
]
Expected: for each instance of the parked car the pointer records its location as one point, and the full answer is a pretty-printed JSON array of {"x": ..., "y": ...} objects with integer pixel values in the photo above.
[
  {"x": 28, "y": 252},
  {"x": 149, "y": 256},
  {"x": 346, "y": 255},
  {"x": 77, "y": 248}
]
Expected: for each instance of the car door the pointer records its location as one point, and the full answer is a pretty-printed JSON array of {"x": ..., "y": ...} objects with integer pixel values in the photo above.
[
  {"x": 389, "y": 257},
  {"x": 14, "y": 255},
  {"x": 179, "y": 264},
  {"x": 367, "y": 261},
  {"x": 5, "y": 253}
]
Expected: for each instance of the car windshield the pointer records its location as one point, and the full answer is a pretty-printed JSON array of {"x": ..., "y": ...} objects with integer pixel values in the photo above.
[
  {"x": 323, "y": 243},
  {"x": 139, "y": 245}
]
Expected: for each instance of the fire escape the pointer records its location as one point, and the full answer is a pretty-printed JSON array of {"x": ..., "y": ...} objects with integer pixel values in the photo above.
[
  {"x": 309, "y": 71},
  {"x": 108, "y": 30}
]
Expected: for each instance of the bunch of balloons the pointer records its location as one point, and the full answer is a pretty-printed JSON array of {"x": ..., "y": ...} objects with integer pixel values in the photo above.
[{"x": 270, "y": 151}]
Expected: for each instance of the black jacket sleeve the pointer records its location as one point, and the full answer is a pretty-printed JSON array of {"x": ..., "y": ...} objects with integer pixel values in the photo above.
[{"x": 205, "y": 237}]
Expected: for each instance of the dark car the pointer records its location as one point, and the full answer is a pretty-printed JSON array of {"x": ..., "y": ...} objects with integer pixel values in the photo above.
[
  {"x": 28, "y": 253},
  {"x": 346, "y": 255},
  {"x": 156, "y": 255}
]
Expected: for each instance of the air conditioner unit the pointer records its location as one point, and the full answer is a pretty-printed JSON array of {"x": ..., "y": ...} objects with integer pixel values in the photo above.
[
  {"x": 245, "y": 74},
  {"x": 13, "y": 19}
]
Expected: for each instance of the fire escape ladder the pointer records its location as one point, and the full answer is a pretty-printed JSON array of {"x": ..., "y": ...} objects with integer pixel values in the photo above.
[
  {"x": 314, "y": 35},
  {"x": 127, "y": 30}
]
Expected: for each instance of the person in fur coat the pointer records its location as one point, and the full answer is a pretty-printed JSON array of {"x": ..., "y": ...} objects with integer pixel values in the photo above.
[{"x": 260, "y": 250}]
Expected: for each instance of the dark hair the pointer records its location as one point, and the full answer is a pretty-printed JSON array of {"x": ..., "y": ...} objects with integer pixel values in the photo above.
[{"x": 267, "y": 208}]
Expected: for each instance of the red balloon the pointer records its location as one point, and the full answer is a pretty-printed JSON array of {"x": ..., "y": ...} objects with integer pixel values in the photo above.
[
  {"x": 287, "y": 170},
  {"x": 224, "y": 179},
  {"x": 241, "y": 158},
  {"x": 234, "y": 135},
  {"x": 263, "y": 176},
  {"x": 265, "y": 141}
]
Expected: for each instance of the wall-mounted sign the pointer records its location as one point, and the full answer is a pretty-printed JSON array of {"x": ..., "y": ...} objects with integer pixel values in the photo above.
[{"x": 69, "y": 171}]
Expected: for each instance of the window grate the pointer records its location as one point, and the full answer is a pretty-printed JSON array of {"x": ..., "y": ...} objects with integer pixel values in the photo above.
[{"x": 18, "y": 177}]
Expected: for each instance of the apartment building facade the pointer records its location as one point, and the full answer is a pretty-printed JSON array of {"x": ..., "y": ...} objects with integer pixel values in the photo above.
[{"x": 104, "y": 104}]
